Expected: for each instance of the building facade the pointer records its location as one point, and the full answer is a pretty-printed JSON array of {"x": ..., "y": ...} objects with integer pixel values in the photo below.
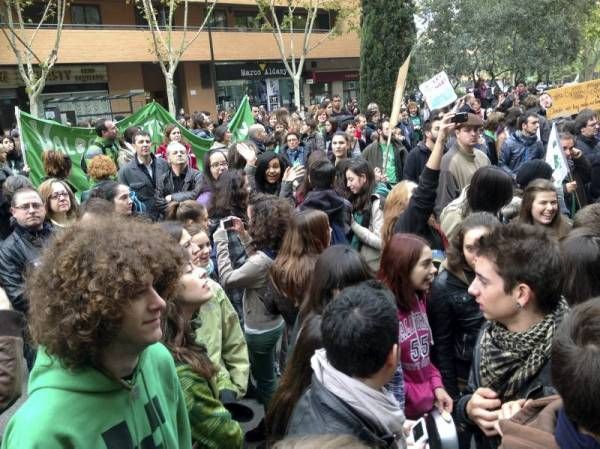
[{"x": 106, "y": 66}]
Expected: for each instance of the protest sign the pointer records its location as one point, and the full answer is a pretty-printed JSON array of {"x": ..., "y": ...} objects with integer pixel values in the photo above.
[
  {"x": 438, "y": 91},
  {"x": 569, "y": 100},
  {"x": 399, "y": 93}
]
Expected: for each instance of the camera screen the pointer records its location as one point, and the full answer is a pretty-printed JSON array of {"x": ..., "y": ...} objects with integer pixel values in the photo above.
[{"x": 417, "y": 431}]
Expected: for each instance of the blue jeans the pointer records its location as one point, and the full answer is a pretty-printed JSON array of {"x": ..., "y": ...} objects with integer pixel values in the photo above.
[{"x": 262, "y": 353}]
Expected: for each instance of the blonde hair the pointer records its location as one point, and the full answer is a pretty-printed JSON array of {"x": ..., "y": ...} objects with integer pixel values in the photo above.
[
  {"x": 395, "y": 203},
  {"x": 45, "y": 190}
]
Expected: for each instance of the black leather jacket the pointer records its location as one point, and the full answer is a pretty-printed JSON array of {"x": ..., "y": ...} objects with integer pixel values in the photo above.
[
  {"x": 320, "y": 412},
  {"x": 20, "y": 250},
  {"x": 192, "y": 183},
  {"x": 455, "y": 321},
  {"x": 537, "y": 387}
]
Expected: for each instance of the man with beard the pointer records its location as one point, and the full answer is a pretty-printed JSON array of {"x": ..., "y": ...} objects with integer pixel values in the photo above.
[
  {"x": 417, "y": 158},
  {"x": 460, "y": 162},
  {"x": 523, "y": 145},
  {"x": 390, "y": 159}
]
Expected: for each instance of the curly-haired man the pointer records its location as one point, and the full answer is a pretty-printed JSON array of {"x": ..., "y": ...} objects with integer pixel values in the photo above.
[{"x": 101, "y": 380}]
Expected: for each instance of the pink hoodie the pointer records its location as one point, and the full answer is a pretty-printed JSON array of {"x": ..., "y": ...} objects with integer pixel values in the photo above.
[{"x": 421, "y": 378}]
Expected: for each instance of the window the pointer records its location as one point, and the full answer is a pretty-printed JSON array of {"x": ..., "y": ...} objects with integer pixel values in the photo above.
[
  {"x": 218, "y": 19},
  {"x": 161, "y": 11},
  {"x": 33, "y": 13},
  {"x": 85, "y": 15},
  {"x": 247, "y": 20}
]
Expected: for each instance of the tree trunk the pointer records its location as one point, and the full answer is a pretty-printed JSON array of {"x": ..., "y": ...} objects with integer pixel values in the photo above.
[
  {"x": 296, "y": 79},
  {"x": 36, "y": 108},
  {"x": 170, "y": 93}
]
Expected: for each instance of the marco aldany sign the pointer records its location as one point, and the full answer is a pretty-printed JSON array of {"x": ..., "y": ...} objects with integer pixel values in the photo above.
[
  {"x": 251, "y": 70},
  {"x": 65, "y": 74}
]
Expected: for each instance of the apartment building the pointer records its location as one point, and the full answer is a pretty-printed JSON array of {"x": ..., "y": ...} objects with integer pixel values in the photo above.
[{"x": 106, "y": 65}]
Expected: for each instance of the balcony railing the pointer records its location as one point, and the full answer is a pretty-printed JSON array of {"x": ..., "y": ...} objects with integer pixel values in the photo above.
[{"x": 74, "y": 26}]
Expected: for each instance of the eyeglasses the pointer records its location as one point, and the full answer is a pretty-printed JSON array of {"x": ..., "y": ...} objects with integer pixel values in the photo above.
[
  {"x": 57, "y": 195},
  {"x": 27, "y": 206},
  {"x": 219, "y": 164}
]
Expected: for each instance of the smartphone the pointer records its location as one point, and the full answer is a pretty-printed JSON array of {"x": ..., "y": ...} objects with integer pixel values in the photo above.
[
  {"x": 460, "y": 117},
  {"x": 418, "y": 432},
  {"x": 229, "y": 223}
]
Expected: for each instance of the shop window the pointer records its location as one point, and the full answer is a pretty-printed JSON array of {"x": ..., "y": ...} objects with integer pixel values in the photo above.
[
  {"x": 85, "y": 14},
  {"x": 351, "y": 90}
]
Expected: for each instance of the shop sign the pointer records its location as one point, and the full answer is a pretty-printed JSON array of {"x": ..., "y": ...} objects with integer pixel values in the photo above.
[
  {"x": 75, "y": 74},
  {"x": 251, "y": 70}
]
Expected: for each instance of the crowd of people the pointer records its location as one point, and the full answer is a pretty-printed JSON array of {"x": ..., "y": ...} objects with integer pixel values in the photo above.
[{"x": 352, "y": 276}]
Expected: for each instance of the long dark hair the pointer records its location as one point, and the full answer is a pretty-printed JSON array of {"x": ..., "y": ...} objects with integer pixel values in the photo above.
[
  {"x": 337, "y": 267},
  {"x": 580, "y": 252},
  {"x": 295, "y": 380},
  {"x": 179, "y": 337},
  {"x": 306, "y": 237},
  {"x": 559, "y": 226},
  {"x": 262, "y": 164},
  {"x": 362, "y": 201},
  {"x": 455, "y": 257},
  {"x": 230, "y": 195},
  {"x": 490, "y": 190}
]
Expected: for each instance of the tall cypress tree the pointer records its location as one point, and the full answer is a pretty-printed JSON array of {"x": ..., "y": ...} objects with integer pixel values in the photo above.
[{"x": 388, "y": 35}]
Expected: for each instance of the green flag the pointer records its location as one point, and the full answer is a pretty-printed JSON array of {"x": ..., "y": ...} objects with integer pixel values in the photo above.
[
  {"x": 38, "y": 135},
  {"x": 153, "y": 118},
  {"x": 241, "y": 121}
]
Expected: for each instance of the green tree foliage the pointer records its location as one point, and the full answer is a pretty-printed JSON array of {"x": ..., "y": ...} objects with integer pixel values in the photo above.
[
  {"x": 465, "y": 37},
  {"x": 589, "y": 53},
  {"x": 388, "y": 35}
]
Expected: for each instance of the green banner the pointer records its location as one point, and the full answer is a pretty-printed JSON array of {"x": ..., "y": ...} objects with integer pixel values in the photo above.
[
  {"x": 153, "y": 118},
  {"x": 241, "y": 121},
  {"x": 38, "y": 135}
]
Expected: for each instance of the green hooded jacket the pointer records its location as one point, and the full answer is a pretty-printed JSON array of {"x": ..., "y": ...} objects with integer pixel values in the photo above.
[{"x": 88, "y": 409}]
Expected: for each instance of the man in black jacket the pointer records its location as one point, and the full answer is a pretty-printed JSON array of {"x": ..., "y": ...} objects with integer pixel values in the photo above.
[
  {"x": 523, "y": 306},
  {"x": 587, "y": 126},
  {"x": 181, "y": 182},
  {"x": 142, "y": 173},
  {"x": 417, "y": 157},
  {"x": 360, "y": 355},
  {"x": 21, "y": 248}
]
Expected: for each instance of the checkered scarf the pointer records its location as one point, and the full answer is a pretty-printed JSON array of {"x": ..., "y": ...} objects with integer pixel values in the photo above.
[{"x": 511, "y": 359}]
